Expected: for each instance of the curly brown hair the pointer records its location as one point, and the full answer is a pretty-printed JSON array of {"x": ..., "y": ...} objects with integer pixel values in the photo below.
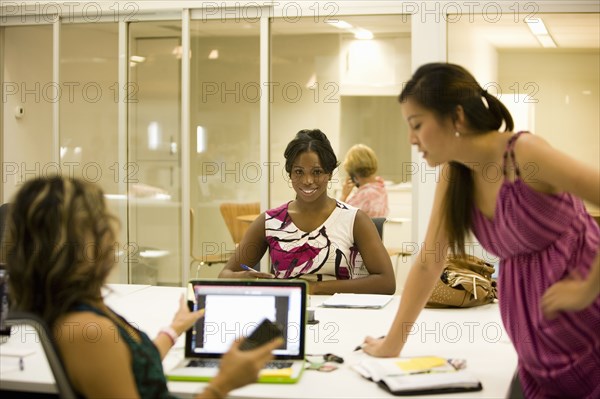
[{"x": 59, "y": 245}]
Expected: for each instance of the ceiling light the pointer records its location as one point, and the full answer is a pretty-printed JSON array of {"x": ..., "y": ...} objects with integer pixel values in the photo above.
[
  {"x": 214, "y": 54},
  {"x": 154, "y": 253},
  {"x": 537, "y": 26},
  {"x": 340, "y": 24},
  {"x": 546, "y": 41},
  {"x": 312, "y": 81},
  {"x": 137, "y": 58},
  {"x": 200, "y": 139},
  {"x": 177, "y": 52},
  {"x": 363, "y": 34}
]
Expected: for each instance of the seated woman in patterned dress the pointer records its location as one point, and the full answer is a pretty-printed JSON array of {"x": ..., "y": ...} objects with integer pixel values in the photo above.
[{"x": 332, "y": 245}]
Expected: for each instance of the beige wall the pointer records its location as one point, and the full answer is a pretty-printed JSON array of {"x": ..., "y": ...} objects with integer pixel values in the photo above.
[
  {"x": 564, "y": 115},
  {"x": 468, "y": 48},
  {"x": 568, "y": 99},
  {"x": 27, "y": 142},
  {"x": 295, "y": 59}
]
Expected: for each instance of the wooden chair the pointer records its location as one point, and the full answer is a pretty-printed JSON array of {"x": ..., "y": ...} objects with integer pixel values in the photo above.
[
  {"x": 231, "y": 211},
  {"x": 204, "y": 259}
]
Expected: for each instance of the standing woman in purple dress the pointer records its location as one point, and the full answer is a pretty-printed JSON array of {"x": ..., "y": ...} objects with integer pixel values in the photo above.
[{"x": 532, "y": 218}]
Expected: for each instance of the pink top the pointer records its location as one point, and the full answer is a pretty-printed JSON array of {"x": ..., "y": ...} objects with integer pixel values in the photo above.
[
  {"x": 541, "y": 239},
  {"x": 371, "y": 198}
]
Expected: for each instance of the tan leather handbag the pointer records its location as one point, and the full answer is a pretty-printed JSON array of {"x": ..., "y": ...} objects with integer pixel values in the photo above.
[{"x": 464, "y": 283}]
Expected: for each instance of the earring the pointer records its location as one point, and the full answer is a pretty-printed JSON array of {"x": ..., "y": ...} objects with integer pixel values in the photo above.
[{"x": 457, "y": 134}]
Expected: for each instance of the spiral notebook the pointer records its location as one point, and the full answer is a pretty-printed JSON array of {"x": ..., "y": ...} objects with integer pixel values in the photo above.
[{"x": 424, "y": 375}]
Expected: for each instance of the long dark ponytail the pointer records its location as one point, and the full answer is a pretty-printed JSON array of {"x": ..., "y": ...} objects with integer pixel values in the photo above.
[{"x": 441, "y": 87}]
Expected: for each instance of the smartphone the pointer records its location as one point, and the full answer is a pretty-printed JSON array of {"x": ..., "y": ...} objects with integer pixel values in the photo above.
[{"x": 265, "y": 332}]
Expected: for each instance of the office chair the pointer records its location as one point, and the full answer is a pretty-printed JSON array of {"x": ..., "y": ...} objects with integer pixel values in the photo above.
[
  {"x": 231, "y": 211},
  {"x": 379, "y": 224},
  {"x": 3, "y": 216},
  {"x": 204, "y": 259},
  {"x": 63, "y": 384},
  {"x": 514, "y": 390}
]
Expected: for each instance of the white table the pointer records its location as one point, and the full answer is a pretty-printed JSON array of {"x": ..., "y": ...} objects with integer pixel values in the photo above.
[{"x": 473, "y": 334}]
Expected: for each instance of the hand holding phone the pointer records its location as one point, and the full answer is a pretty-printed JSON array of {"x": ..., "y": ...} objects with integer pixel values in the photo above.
[{"x": 265, "y": 332}]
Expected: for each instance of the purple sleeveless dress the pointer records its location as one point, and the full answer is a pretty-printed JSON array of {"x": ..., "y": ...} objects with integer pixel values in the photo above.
[{"x": 540, "y": 239}]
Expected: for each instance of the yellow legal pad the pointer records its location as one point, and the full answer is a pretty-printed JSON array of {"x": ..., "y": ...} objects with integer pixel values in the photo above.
[{"x": 415, "y": 364}]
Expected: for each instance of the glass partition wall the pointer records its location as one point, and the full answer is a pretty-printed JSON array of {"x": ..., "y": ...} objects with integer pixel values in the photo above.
[
  {"x": 340, "y": 73},
  {"x": 342, "y": 76},
  {"x": 154, "y": 152},
  {"x": 27, "y": 102},
  {"x": 88, "y": 130},
  {"x": 224, "y": 151}
]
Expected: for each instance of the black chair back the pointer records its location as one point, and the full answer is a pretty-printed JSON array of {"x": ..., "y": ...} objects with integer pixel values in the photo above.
[
  {"x": 63, "y": 384},
  {"x": 3, "y": 216},
  {"x": 379, "y": 224}
]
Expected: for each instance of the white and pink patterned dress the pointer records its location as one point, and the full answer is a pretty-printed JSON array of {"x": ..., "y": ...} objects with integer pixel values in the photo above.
[{"x": 326, "y": 253}]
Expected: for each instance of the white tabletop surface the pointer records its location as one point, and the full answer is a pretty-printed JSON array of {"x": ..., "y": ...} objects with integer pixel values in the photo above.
[{"x": 474, "y": 334}]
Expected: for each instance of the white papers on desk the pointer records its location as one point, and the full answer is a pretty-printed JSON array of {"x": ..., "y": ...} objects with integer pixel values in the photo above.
[
  {"x": 365, "y": 301},
  {"x": 15, "y": 351},
  {"x": 11, "y": 358}
]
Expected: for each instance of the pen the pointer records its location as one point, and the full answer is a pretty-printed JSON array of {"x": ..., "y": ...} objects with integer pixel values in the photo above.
[
  {"x": 246, "y": 267},
  {"x": 359, "y": 347}
]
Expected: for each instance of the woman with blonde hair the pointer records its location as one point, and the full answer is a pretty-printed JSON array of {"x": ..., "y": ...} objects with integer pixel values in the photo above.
[{"x": 370, "y": 195}]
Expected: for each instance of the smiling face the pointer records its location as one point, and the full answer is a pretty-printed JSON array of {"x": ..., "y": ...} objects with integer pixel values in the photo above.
[
  {"x": 433, "y": 137},
  {"x": 309, "y": 179}
]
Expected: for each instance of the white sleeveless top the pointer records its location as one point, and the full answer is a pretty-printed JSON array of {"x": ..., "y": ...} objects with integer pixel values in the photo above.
[{"x": 327, "y": 253}]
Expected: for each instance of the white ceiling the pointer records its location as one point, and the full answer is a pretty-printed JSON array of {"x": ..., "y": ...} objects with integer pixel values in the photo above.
[{"x": 569, "y": 31}]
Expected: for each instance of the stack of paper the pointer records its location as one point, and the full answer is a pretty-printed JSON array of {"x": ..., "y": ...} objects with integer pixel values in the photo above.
[{"x": 366, "y": 301}]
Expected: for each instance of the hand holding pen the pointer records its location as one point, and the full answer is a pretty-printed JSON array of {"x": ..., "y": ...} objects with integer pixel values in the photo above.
[
  {"x": 382, "y": 347},
  {"x": 361, "y": 346},
  {"x": 252, "y": 273}
]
